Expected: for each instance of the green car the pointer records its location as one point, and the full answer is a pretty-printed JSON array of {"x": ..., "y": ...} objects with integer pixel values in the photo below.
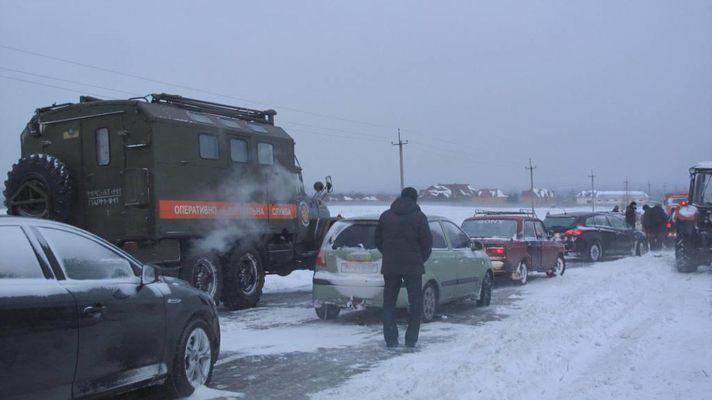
[{"x": 348, "y": 269}]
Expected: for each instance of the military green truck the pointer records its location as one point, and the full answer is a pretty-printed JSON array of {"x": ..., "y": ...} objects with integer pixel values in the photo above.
[{"x": 210, "y": 192}]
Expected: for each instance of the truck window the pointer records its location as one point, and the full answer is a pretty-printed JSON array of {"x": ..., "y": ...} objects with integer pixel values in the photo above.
[
  {"x": 103, "y": 149},
  {"x": 265, "y": 153},
  {"x": 257, "y": 128},
  {"x": 238, "y": 150},
  {"x": 198, "y": 117},
  {"x": 209, "y": 147}
]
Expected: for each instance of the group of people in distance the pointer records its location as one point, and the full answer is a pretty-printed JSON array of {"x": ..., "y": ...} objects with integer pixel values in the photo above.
[{"x": 654, "y": 222}]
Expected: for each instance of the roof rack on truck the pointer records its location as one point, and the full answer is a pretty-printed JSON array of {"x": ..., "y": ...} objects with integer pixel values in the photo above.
[
  {"x": 522, "y": 211},
  {"x": 265, "y": 117}
]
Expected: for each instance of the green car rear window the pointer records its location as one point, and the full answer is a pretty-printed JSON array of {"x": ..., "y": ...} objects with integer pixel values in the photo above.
[{"x": 350, "y": 234}]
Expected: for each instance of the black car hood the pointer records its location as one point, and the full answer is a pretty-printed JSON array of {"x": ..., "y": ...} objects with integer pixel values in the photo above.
[{"x": 175, "y": 281}]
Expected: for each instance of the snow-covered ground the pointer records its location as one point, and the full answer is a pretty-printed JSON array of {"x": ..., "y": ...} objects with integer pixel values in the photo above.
[
  {"x": 627, "y": 329},
  {"x": 631, "y": 328}
]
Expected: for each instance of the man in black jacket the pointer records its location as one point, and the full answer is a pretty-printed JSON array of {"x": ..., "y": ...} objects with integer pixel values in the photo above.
[
  {"x": 404, "y": 238},
  {"x": 630, "y": 214},
  {"x": 655, "y": 219}
]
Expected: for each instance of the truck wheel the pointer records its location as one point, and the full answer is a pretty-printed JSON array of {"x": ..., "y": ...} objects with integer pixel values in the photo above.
[
  {"x": 39, "y": 186},
  {"x": 244, "y": 279},
  {"x": 204, "y": 272},
  {"x": 327, "y": 311},
  {"x": 685, "y": 259}
]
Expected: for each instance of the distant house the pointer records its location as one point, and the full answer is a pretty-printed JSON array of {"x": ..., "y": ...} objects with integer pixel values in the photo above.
[
  {"x": 538, "y": 197},
  {"x": 612, "y": 198},
  {"x": 448, "y": 192},
  {"x": 489, "y": 196}
]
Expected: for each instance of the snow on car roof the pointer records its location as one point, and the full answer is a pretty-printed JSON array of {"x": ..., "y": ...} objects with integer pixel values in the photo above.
[
  {"x": 375, "y": 217},
  {"x": 703, "y": 165}
]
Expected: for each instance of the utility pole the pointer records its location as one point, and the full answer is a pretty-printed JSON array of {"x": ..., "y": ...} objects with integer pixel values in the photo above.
[
  {"x": 593, "y": 194},
  {"x": 650, "y": 189},
  {"x": 531, "y": 169},
  {"x": 400, "y": 145},
  {"x": 627, "y": 196}
]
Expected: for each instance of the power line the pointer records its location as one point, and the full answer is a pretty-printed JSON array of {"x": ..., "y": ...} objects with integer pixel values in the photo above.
[
  {"x": 47, "y": 85},
  {"x": 195, "y": 89},
  {"x": 186, "y": 87},
  {"x": 68, "y": 81}
]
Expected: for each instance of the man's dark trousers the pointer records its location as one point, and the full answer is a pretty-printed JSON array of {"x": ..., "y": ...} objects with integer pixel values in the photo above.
[{"x": 391, "y": 288}]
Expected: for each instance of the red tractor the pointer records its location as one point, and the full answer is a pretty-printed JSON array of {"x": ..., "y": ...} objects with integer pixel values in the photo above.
[{"x": 693, "y": 221}]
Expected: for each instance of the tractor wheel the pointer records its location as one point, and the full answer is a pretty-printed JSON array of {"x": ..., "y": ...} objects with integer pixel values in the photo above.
[
  {"x": 685, "y": 257},
  {"x": 39, "y": 186}
]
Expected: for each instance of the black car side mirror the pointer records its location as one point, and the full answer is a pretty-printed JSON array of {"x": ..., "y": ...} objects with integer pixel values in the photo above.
[
  {"x": 476, "y": 245},
  {"x": 149, "y": 274}
]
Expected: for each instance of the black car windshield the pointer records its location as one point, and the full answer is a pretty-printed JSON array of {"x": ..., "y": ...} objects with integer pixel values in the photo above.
[
  {"x": 703, "y": 189},
  {"x": 352, "y": 234},
  {"x": 559, "y": 222},
  {"x": 490, "y": 228}
]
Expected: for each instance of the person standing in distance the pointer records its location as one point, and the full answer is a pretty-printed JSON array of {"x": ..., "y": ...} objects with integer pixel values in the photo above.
[{"x": 404, "y": 239}]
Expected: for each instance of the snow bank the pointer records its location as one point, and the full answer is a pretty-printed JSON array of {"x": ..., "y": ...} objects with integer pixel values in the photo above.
[
  {"x": 206, "y": 393},
  {"x": 300, "y": 280},
  {"x": 626, "y": 329}
]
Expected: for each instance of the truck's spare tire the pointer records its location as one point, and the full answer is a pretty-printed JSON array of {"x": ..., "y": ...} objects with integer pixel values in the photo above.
[{"x": 39, "y": 186}]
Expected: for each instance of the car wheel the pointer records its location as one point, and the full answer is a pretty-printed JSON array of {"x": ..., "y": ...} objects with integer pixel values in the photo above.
[
  {"x": 640, "y": 248},
  {"x": 559, "y": 267},
  {"x": 521, "y": 274},
  {"x": 327, "y": 311},
  {"x": 205, "y": 273},
  {"x": 430, "y": 302},
  {"x": 595, "y": 252},
  {"x": 486, "y": 290},
  {"x": 244, "y": 279},
  {"x": 193, "y": 361}
]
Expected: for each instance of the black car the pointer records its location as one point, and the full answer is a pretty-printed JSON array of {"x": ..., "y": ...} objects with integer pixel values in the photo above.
[
  {"x": 594, "y": 235},
  {"x": 80, "y": 318}
]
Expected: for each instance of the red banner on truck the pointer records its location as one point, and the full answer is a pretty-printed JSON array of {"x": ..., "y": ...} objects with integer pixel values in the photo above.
[{"x": 189, "y": 209}]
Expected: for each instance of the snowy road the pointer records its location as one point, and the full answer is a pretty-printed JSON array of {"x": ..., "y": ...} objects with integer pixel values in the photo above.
[
  {"x": 631, "y": 328},
  {"x": 627, "y": 329}
]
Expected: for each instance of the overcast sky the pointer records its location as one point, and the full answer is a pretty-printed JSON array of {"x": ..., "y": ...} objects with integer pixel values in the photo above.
[{"x": 624, "y": 88}]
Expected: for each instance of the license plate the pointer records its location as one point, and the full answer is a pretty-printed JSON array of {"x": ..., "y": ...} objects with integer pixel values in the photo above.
[{"x": 359, "y": 267}]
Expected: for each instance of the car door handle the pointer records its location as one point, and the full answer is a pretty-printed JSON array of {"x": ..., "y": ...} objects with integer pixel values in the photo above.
[{"x": 95, "y": 310}]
